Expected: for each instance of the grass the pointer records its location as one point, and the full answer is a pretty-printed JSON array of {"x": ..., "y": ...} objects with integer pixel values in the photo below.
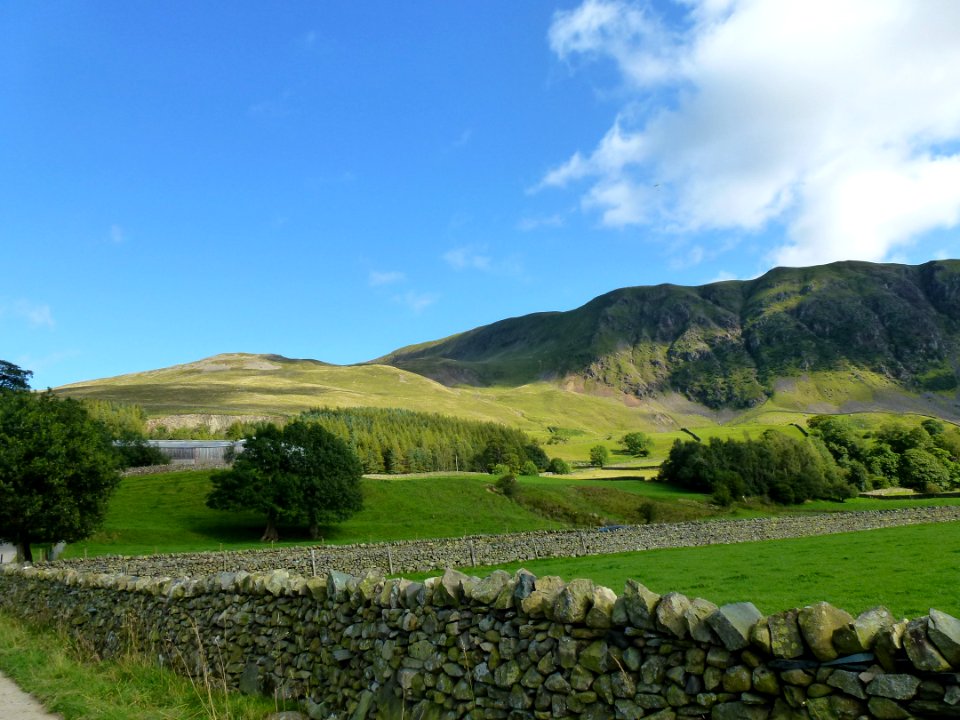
[
  {"x": 908, "y": 569},
  {"x": 167, "y": 513},
  {"x": 68, "y": 680},
  {"x": 244, "y": 385},
  {"x": 241, "y": 384}
]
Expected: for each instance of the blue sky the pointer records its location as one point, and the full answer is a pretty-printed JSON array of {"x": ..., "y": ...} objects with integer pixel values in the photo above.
[{"x": 335, "y": 180}]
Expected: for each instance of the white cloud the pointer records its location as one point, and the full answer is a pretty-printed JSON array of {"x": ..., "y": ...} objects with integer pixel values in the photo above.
[
  {"x": 36, "y": 315},
  {"x": 467, "y": 258},
  {"x": 377, "y": 279},
  {"x": 117, "y": 236},
  {"x": 417, "y": 302},
  {"x": 837, "y": 119}
]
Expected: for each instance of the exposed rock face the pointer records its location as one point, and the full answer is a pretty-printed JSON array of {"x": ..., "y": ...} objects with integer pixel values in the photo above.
[{"x": 504, "y": 646}]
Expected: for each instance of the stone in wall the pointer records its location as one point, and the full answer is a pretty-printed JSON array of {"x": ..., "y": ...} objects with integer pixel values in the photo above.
[{"x": 504, "y": 646}]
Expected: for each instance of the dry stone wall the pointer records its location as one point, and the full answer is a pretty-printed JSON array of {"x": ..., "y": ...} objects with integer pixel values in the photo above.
[
  {"x": 506, "y": 646},
  {"x": 479, "y": 550}
]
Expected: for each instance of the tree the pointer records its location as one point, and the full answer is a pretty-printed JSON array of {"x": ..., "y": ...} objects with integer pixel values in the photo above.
[
  {"x": 302, "y": 475},
  {"x": 637, "y": 444},
  {"x": 559, "y": 466},
  {"x": 13, "y": 377},
  {"x": 922, "y": 471},
  {"x": 58, "y": 467},
  {"x": 785, "y": 469},
  {"x": 127, "y": 425},
  {"x": 839, "y": 437},
  {"x": 599, "y": 455}
]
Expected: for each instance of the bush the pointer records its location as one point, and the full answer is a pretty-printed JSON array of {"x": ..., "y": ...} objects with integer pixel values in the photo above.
[
  {"x": 637, "y": 444},
  {"x": 507, "y": 485},
  {"x": 529, "y": 468},
  {"x": 139, "y": 454},
  {"x": 559, "y": 467},
  {"x": 500, "y": 469},
  {"x": 599, "y": 455},
  {"x": 922, "y": 471}
]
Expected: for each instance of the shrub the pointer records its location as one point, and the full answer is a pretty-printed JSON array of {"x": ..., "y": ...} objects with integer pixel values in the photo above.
[
  {"x": 507, "y": 485},
  {"x": 529, "y": 468},
  {"x": 785, "y": 469},
  {"x": 599, "y": 455},
  {"x": 637, "y": 444},
  {"x": 559, "y": 467},
  {"x": 139, "y": 454}
]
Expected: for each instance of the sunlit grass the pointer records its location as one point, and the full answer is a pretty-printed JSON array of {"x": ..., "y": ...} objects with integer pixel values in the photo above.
[
  {"x": 908, "y": 569},
  {"x": 68, "y": 680}
]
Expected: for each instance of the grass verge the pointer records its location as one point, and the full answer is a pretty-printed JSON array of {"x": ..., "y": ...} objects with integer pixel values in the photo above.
[{"x": 68, "y": 681}]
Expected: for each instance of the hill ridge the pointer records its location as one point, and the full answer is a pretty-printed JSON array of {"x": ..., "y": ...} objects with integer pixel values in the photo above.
[
  {"x": 724, "y": 343},
  {"x": 844, "y": 337}
]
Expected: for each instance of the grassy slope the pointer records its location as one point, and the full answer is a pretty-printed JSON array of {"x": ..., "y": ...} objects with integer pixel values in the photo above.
[
  {"x": 263, "y": 385},
  {"x": 166, "y": 513},
  {"x": 250, "y": 385}
]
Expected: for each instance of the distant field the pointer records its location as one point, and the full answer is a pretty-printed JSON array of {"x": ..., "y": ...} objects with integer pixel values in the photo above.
[
  {"x": 907, "y": 569},
  {"x": 166, "y": 513}
]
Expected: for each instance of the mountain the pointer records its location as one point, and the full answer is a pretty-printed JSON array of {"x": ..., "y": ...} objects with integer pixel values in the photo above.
[
  {"x": 725, "y": 344},
  {"x": 846, "y": 337}
]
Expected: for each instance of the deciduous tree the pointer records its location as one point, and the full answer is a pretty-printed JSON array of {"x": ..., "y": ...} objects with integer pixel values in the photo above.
[
  {"x": 58, "y": 468},
  {"x": 302, "y": 475},
  {"x": 637, "y": 444},
  {"x": 599, "y": 455},
  {"x": 13, "y": 377}
]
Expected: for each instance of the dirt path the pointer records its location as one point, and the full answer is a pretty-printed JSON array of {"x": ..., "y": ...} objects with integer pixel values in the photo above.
[{"x": 17, "y": 705}]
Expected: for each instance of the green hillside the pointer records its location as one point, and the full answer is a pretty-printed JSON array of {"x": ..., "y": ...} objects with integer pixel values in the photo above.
[
  {"x": 850, "y": 337},
  {"x": 219, "y": 389},
  {"x": 724, "y": 345}
]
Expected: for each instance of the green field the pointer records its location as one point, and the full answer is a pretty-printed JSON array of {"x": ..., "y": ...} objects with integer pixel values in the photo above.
[
  {"x": 167, "y": 512},
  {"x": 907, "y": 569}
]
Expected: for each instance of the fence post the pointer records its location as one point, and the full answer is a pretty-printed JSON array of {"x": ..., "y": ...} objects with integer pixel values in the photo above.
[
  {"x": 313, "y": 562},
  {"x": 390, "y": 559},
  {"x": 473, "y": 555}
]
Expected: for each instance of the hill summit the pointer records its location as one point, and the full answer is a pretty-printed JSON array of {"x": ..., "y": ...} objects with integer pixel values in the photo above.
[{"x": 725, "y": 344}]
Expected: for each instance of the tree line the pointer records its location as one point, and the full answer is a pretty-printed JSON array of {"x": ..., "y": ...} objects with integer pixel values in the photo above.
[
  {"x": 391, "y": 440},
  {"x": 834, "y": 461}
]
